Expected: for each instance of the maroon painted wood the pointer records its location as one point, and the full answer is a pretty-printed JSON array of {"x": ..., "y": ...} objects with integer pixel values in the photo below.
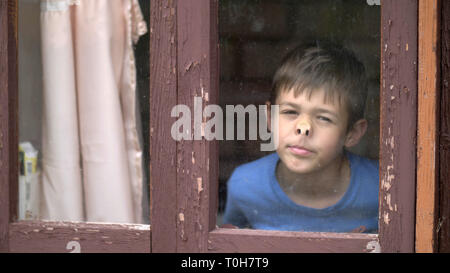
[
  {"x": 8, "y": 118},
  {"x": 39, "y": 236},
  {"x": 163, "y": 96},
  {"x": 4, "y": 143},
  {"x": 195, "y": 180},
  {"x": 184, "y": 175},
  {"x": 58, "y": 237},
  {"x": 197, "y": 160},
  {"x": 398, "y": 125},
  {"x": 13, "y": 86},
  {"x": 247, "y": 241},
  {"x": 443, "y": 224}
]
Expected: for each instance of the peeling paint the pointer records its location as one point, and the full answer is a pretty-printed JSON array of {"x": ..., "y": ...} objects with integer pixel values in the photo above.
[
  {"x": 138, "y": 227},
  {"x": 181, "y": 217},
  {"x": 388, "y": 201},
  {"x": 92, "y": 230},
  {"x": 199, "y": 185},
  {"x": 389, "y": 177},
  {"x": 191, "y": 65},
  {"x": 386, "y": 218},
  {"x": 373, "y": 247}
]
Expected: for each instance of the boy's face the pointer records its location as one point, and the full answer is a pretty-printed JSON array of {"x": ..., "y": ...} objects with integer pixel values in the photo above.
[{"x": 312, "y": 133}]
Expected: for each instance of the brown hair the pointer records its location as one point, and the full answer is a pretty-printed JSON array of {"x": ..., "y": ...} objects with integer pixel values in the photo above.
[{"x": 326, "y": 65}]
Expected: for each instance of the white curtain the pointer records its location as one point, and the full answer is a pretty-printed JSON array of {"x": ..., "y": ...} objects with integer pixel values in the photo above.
[{"x": 91, "y": 155}]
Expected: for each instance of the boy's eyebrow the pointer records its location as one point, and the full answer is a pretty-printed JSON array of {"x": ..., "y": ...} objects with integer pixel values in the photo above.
[{"x": 317, "y": 110}]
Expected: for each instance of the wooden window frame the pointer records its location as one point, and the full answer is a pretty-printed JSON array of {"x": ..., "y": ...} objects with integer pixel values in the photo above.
[
  {"x": 43, "y": 236},
  {"x": 184, "y": 175}
]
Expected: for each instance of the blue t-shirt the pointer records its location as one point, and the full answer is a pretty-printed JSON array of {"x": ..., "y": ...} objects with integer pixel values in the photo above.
[{"x": 256, "y": 200}]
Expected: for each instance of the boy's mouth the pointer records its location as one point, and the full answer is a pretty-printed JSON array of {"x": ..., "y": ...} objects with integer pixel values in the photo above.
[{"x": 299, "y": 150}]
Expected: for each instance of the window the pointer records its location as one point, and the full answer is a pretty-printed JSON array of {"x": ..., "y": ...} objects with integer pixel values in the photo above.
[
  {"x": 63, "y": 91},
  {"x": 194, "y": 168},
  {"x": 255, "y": 37},
  {"x": 80, "y": 121},
  {"x": 184, "y": 175}
]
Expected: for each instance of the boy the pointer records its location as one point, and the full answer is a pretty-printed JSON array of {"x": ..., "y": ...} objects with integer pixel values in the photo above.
[{"x": 311, "y": 183}]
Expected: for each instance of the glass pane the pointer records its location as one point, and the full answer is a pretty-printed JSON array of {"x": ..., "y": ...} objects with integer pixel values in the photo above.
[
  {"x": 84, "y": 110},
  {"x": 319, "y": 62}
]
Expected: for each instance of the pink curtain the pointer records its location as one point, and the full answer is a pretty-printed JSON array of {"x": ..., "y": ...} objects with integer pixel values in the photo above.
[{"x": 92, "y": 159}]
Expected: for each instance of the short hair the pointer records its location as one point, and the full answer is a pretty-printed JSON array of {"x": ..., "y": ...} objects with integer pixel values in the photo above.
[{"x": 322, "y": 64}]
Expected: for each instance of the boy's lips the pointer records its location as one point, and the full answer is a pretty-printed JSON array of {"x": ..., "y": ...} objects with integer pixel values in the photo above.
[{"x": 299, "y": 150}]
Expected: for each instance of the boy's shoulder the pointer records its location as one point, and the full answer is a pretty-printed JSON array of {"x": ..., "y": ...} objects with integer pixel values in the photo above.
[
  {"x": 251, "y": 181},
  {"x": 363, "y": 162},
  {"x": 364, "y": 168}
]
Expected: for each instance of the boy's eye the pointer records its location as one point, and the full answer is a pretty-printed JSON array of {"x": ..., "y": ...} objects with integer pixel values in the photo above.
[
  {"x": 322, "y": 118},
  {"x": 289, "y": 112}
]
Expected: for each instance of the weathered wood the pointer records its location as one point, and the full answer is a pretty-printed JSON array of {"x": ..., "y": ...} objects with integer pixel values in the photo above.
[
  {"x": 214, "y": 72},
  {"x": 398, "y": 125},
  {"x": 8, "y": 118},
  {"x": 13, "y": 86},
  {"x": 246, "y": 240},
  {"x": 427, "y": 140},
  {"x": 40, "y": 236},
  {"x": 197, "y": 77},
  {"x": 185, "y": 225},
  {"x": 4, "y": 143},
  {"x": 163, "y": 97},
  {"x": 64, "y": 237},
  {"x": 195, "y": 210},
  {"x": 443, "y": 225}
]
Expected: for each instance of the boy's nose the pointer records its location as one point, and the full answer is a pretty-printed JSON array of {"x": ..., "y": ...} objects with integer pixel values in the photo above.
[{"x": 303, "y": 127}]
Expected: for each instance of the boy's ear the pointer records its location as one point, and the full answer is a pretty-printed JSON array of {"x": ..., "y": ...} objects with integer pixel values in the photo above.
[
  {"x": 356, "y": 133},
  {"x": 268, "y": 115}
]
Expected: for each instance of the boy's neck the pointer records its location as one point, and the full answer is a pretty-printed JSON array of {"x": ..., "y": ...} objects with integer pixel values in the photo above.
[{"x": 319, "y": 189}]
